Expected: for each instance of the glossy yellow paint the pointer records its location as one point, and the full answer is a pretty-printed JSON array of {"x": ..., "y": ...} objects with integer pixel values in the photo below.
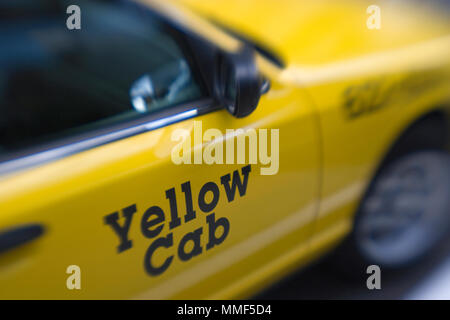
[
  {"x": 72, "y": 196},
  {"x": 327, "y": 157}
]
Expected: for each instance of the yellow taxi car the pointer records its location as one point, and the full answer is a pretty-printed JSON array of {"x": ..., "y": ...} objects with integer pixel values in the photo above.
[{"x": 92, "y": 204}]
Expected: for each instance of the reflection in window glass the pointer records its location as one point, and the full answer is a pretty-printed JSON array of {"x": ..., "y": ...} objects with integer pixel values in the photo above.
[{"x": 54, "y": 81}]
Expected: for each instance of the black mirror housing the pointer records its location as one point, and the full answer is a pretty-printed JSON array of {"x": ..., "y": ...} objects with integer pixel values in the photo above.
[{"x": 238, "y": 81}]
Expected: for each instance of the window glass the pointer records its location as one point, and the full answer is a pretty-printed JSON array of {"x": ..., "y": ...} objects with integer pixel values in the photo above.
[{"x": 122, "y": 63}]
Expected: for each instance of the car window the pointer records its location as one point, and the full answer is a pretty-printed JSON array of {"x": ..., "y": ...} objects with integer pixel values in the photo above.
[{"x": 124, "y": 62}]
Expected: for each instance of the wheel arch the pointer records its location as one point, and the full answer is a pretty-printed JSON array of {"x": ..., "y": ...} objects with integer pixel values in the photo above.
[{"x": 428, "y": 131}]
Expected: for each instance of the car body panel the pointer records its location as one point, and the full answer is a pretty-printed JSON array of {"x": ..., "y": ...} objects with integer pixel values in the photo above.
[
  {"x": 329, "y": 151},
  {"x": 394, "y": 75},
  {"x": 72, "y": 196},
  {"x": 313, "y": 33}
]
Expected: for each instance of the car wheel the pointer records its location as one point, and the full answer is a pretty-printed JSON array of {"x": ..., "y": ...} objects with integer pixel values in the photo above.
[{"x": 405, "y": 213}]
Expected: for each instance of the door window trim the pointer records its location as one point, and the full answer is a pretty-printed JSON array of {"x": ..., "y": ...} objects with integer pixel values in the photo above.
[{"x": 62, "y": 148}]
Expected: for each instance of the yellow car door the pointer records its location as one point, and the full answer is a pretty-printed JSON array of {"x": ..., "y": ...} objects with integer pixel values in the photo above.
[{"x": 93, "y": 203}]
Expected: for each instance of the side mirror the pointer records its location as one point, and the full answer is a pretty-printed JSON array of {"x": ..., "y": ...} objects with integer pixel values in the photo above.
[{"x": 239, "y": 84}]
